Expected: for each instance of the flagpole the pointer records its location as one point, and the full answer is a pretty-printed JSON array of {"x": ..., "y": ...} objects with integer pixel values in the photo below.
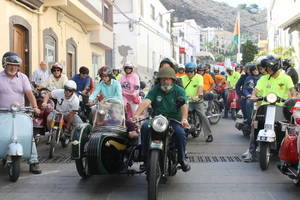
[{"x": 239, "y": 33}]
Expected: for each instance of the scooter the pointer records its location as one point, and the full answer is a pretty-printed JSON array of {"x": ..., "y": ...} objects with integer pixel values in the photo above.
[
  {"x": 16, "y": 138},
  {"x": 233, "y": 102},
  {"x": 268, "y": 129},
  {"x": 290, "y": 147},
  {"x": 40, "y": 120}
]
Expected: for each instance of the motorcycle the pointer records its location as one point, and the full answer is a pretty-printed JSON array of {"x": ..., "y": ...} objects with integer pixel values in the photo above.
[
  {"x": 290, "y": 147},
  {"x": 242, "y": 124},
  {"x": 57, "y": 132},
  {"x": 268, "y": 128},
  {"x": 15, "y": 142},
  {"x": 105, "y": 148},
  {"x": 40, "y": 120},
  {"x": 233, "y": 102},
  {"x": 194, "y": 121},
  {"x": 85, "y": 110},
  {"x": 214, "y": 114}
]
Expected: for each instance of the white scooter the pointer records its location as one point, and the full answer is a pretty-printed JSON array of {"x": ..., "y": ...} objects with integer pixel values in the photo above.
[
  {"x": 268, "y": 137},
  {"x": 16, "y": 138}
]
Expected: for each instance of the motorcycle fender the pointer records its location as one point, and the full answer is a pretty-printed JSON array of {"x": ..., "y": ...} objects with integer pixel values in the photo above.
[
  {"x": 15, "y": 149},
  {"x": 79, "y": 138},
  {"x": 156, "y": 145},
  {"x": 266, "y": 135}
]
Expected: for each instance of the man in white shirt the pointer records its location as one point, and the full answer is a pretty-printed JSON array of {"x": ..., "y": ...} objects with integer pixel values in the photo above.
[
  {"x": 67, "y": 103},
  {"x": 40, "y": 75},
  {"x": 56, "y": 79}
]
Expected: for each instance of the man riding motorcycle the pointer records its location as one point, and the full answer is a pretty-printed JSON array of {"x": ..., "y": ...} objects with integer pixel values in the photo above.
[
  {"x": 82, "y": 80},
  {"x": 180, "y": 72},
  {"x": 14, "y": 85},
  {"x": 274, "y": 82},
  {"x": 232, "y": 77},
  {"x": 193, "y": 86},
  {"x": 162, "y": 98},
  {"x": 130, "y": 83},
  {"x": 56, "y": 79},
  {"x": 67, "y": 102},
  {"x": 289, "y": 70}
]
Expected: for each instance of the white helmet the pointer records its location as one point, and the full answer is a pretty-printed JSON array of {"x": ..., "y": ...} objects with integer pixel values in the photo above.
[{"x": 70, "y": 85}]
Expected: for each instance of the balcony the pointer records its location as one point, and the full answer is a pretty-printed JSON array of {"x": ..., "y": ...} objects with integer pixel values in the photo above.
[
  {"x": 33, "y": 4},
  {"x": 79, "y": 9},
  {"x": 102, "y": 37}
]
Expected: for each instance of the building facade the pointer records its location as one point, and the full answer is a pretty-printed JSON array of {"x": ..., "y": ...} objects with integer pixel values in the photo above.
[
  {"x": 142, "y": 35},
  {"x": 188, "y": 39},
  {"x": 73, "y": 32},
  {"x": 284, "y": 26}
]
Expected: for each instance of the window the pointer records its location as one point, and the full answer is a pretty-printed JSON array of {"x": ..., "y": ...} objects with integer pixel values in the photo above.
[
  {"x": 152, "y": 12},
  {"x": 50, "y": 49},
  {"x": 96, "y": 62},
  {"x": 107, "y": 14},
  {"x": 168, "y": 26},
  {"x": 161, "y": 20}
]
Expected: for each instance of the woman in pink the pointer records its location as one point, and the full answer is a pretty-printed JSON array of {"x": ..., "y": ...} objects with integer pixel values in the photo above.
[{"x": 130, "y": 83}]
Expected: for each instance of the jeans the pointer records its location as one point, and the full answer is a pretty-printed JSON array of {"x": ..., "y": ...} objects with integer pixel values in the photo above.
[
  {"x": 34, "y": 155},
  {"x": 199, "y": 108},
  {"x": 226, "y": 106},
  {"x": 243, "y": 102},
  {"x": 179, "y": 134},
  {"x": 249, "y": 110}
]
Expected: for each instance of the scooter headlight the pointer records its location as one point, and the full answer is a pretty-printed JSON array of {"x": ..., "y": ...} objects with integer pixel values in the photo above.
[
  {"x": 160, "y": 123},
  {"x": 15, "y": 108},
  {"x": 271, "y": 98}
]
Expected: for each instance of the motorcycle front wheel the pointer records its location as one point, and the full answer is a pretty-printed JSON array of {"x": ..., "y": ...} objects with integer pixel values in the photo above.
[
  {"x": 264, "y": 155},
  {"x": 14, "y": 169},
  {"x": 197, "y": 124},
  {"x": 154, "y": 174},
  {"x": 52, "y": 143},
  {"x": 216, "y": 110},
  {"x": 82, "y": 167}
]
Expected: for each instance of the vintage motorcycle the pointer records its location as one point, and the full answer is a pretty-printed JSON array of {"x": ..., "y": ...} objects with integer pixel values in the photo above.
[
  {"x": 194, "y": 120},
  {"x": 214, "y": 112},
  {"x": 105, "y": 148},
  {"x": 290, "y": 147},
  {"x": 267, "y": 127},
  {"x": 16, "y": 138}
]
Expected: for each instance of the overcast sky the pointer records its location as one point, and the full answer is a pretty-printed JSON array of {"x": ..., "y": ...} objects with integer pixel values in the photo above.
[{"x": 234, "y": 3}]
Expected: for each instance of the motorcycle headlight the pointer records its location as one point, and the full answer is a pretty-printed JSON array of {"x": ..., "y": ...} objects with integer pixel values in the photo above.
[
  {"x": 271, "y": 98},
  {"x": 160, "y": 123},
  {"x": 15, "y": 108}
]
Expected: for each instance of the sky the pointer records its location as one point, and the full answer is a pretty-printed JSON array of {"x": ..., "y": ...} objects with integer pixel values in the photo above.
[{"x": 234, "y": 3}]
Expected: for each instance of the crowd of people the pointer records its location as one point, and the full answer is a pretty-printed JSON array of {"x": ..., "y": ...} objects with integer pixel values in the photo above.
[{"x": 190, "y": 81}]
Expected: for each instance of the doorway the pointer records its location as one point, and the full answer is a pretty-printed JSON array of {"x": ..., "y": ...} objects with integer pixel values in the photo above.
[{"x": 20, "y": 46}]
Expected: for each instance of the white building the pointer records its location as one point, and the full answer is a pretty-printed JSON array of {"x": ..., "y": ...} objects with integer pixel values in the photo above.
[
  {"x": 284, "y": 25},
  {"x": 142, "y": 34},
  {"x": 188, "y": 38}
]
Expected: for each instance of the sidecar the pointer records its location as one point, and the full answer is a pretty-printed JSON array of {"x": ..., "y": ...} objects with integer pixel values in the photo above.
[{"x": 103, "y": 148}]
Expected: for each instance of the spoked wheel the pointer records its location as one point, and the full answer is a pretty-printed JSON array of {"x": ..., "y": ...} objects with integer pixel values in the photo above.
[
  {"x": 233, "y": 113},
  {"x": 264, "y": 155},
  {"x": 216, "y": 112},
  {"x": 197, "y": 125},
  {"x": 154, "y": 175},
  {"x": 82, "y": 167},
  {"x": 52, "y": 144},
  {"x": 14, "y": 169}
]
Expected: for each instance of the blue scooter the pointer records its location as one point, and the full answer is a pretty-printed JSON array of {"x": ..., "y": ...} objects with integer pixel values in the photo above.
[{"x": 16, "y": 138}]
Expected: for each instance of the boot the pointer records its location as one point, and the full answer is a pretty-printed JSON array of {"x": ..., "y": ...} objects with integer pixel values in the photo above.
[
  {"x": 185, "y": 166},
  {"x": 35, "y": 168},
  {"x": 209, "y": 138}
]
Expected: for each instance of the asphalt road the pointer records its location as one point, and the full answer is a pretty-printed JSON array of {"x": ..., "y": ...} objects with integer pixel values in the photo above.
[{"x": 218, "y": 173}]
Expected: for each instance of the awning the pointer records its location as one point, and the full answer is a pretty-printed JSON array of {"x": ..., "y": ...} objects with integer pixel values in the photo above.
[{"x": 292, "y": 24}]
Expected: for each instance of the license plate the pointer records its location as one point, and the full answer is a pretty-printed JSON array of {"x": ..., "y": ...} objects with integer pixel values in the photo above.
[{"x": 156, "y": 145}]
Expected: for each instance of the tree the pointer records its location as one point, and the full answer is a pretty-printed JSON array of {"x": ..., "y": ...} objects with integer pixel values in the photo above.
[
  {"x": 249, "y": 50},
  {"x": 242, "y": 6}
]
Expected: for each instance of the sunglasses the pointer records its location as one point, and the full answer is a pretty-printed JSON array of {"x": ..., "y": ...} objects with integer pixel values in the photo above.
[
  {"x": 68, "y": 90},
  {"x": 56, "y": 70}
]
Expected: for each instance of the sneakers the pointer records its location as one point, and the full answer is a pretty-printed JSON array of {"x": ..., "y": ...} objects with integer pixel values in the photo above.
[
  {"x": 244, "y": 155},
  {"x": 185, "y": 166},
  {"x": 209, "y": 138},
  {"x": 248, "y": 158},
  {"x": 35, "y": 168}
]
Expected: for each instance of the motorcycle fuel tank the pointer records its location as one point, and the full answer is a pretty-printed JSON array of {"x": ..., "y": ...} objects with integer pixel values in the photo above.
[{"x": 288, "y": 150}]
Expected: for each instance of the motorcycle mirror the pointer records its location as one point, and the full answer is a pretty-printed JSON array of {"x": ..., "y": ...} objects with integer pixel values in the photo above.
[
  {"x": 180, "y": 101},
  {"x": 142, "y": 85}
]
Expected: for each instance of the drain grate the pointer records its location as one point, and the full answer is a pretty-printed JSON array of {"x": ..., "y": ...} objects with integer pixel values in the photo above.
[{"x": 213, "y": 159}]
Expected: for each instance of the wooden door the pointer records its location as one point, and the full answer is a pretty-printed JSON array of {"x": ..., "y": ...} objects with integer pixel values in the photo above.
[
  {"x": 69, "y": 64},
  {"x": 19, "y": 45}
]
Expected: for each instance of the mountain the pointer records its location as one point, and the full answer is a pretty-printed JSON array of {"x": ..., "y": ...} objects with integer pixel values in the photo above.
[{"x": 209, "y": 13}]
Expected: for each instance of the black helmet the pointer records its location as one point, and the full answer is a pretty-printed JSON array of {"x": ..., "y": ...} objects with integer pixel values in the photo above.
[
  {"x": 201, "y": 67},
  {"x": 170, "y": 61},
  {"x": 286, "y": 63},
  {"x": 272, "y": 62},
  {"x": 251, "y": 67},
  {"x": 11, "y": 58}
]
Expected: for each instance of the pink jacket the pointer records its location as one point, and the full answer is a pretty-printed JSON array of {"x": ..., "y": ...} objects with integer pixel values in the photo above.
[{"x": 130, "y": 86}]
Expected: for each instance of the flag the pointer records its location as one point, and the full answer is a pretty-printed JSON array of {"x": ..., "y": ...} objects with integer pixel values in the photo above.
[{"x": 236, "y": 31}]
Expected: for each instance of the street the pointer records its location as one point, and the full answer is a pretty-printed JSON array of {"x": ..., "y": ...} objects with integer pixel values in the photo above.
[{"x": 217, "y": 173}]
